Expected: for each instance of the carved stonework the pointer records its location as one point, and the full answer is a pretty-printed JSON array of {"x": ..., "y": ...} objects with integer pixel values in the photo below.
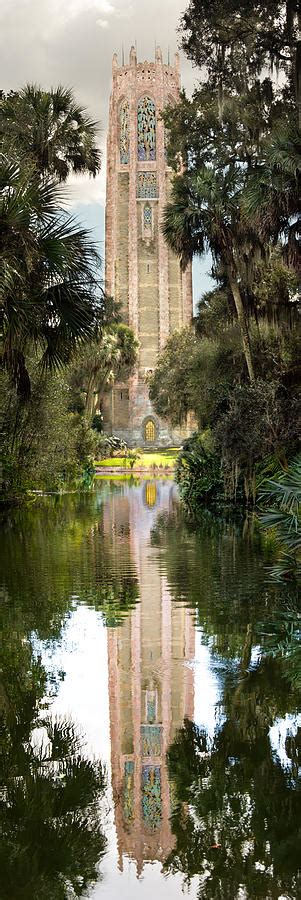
[{"x": 142, "y": 273}]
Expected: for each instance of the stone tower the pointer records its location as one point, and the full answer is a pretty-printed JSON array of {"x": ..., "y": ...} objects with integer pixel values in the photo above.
[{"x": 142, "y": 273}]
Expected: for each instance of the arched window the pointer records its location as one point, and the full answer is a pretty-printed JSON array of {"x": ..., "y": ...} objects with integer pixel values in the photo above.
[
  {"x": 124, "y": 140},
  {"x": 150, "y": 430},
  {"x": 146, "y": 128}
]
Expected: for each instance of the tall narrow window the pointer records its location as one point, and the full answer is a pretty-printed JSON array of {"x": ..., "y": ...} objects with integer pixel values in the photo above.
[
  {"x": 146, "y": 126},
  {"x": 147, "y": 216},
  {"x": 124, "y": 139}
]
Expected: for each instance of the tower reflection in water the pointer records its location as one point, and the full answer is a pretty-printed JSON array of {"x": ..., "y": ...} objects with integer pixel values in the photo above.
[{"x": 151, "y": 688}]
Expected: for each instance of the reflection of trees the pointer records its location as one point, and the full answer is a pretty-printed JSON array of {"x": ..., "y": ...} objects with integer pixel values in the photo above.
[
  {"x": 64, "y": 551},
  {"x": 240, "y": 824},
  {"x": 281, "y": 639},
  {"x": 52, "y": 839},
  {"x": 221, "y": 572},
  {"x": 53, "y": 557}
]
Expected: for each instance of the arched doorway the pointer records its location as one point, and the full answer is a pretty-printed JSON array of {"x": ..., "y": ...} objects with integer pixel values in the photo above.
[{"x": 150, "y": 431}]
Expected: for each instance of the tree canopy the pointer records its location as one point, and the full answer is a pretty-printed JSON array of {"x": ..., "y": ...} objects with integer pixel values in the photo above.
[{"x": 52, "y": 129}]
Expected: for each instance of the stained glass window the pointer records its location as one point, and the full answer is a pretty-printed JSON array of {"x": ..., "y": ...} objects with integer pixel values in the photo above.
[
  {"x": 151, "y": 740},
  {"x": 147, "y": 185},
  {"x": 124, "y": 140},
  {"x": 146, "y": 129},
  {"x": 147, "y": 216},
  {"x": 151, "y": 796}
]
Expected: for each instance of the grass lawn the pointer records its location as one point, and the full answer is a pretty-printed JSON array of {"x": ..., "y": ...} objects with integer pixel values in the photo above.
[{"x": 147, "y": 460}]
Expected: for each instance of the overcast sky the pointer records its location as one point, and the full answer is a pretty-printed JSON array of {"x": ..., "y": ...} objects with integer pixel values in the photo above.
[{"x": 72, "y": 42}]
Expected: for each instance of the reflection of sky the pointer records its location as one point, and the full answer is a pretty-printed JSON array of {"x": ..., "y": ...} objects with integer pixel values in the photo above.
[
  {"x": 207, "y": 690},
  {"x": 283, "y": 728}
]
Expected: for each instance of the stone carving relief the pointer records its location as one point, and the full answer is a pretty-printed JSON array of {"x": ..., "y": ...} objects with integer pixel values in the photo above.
[{"x": 146, "y": 127}]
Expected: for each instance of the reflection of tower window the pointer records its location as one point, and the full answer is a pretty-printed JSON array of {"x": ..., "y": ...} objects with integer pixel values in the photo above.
[
  {"x": 151, "y": 740},
  {"x": 150, "y": 494},
  {"x": 128, "y": 801},
  {"x": 151, "y": 796},
  {"x": 151, "y": 706}
]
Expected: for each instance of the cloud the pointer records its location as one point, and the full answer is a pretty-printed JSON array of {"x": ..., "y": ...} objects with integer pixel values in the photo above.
[
  {"x": 73, "y": 42},
  {"x": 85, "y": 191}
]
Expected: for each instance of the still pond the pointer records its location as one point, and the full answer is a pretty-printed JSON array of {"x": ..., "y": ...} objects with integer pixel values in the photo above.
[{"x": 149, "y": 698}]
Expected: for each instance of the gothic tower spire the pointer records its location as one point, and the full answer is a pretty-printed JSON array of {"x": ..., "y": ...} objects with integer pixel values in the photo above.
[{"x": 142, "y": 273}]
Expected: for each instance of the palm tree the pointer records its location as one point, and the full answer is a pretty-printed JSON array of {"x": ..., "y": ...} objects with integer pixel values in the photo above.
[
  {"x": 272, "y": 194},
  {"x": 112, "y": 354},
  {"x": 204, "y": 214},
  {"x": 281, "y": 513},
  {"x": 52, "y": 129},
  {"x": 49, "y": 272}
]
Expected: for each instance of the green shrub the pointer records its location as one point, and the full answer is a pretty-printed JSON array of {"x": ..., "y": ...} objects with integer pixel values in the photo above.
[{"x": 198, "y": 472}]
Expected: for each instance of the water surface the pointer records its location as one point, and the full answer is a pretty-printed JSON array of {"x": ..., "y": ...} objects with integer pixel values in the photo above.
[{"x": 149, "y": 700}]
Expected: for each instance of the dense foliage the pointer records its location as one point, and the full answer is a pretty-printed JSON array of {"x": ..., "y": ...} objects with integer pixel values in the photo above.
[
  {"x": 62, "y": 339},
  {"x": 235, "y": 149}
]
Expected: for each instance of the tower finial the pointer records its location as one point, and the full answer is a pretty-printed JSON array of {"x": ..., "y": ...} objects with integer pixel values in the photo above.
[
  {"x": 168, "y": 57},
  {"x": 122, "y": 54},
  {"x": 133, "y": 56}
]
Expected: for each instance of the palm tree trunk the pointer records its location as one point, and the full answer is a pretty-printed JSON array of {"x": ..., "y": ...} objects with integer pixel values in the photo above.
[{"x": 235, "y": 289}]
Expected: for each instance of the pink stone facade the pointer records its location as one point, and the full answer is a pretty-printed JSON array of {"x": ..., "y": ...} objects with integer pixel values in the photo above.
[
  {"x": 149, "y": 658},
  {"x": 141, "y": 273}
]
